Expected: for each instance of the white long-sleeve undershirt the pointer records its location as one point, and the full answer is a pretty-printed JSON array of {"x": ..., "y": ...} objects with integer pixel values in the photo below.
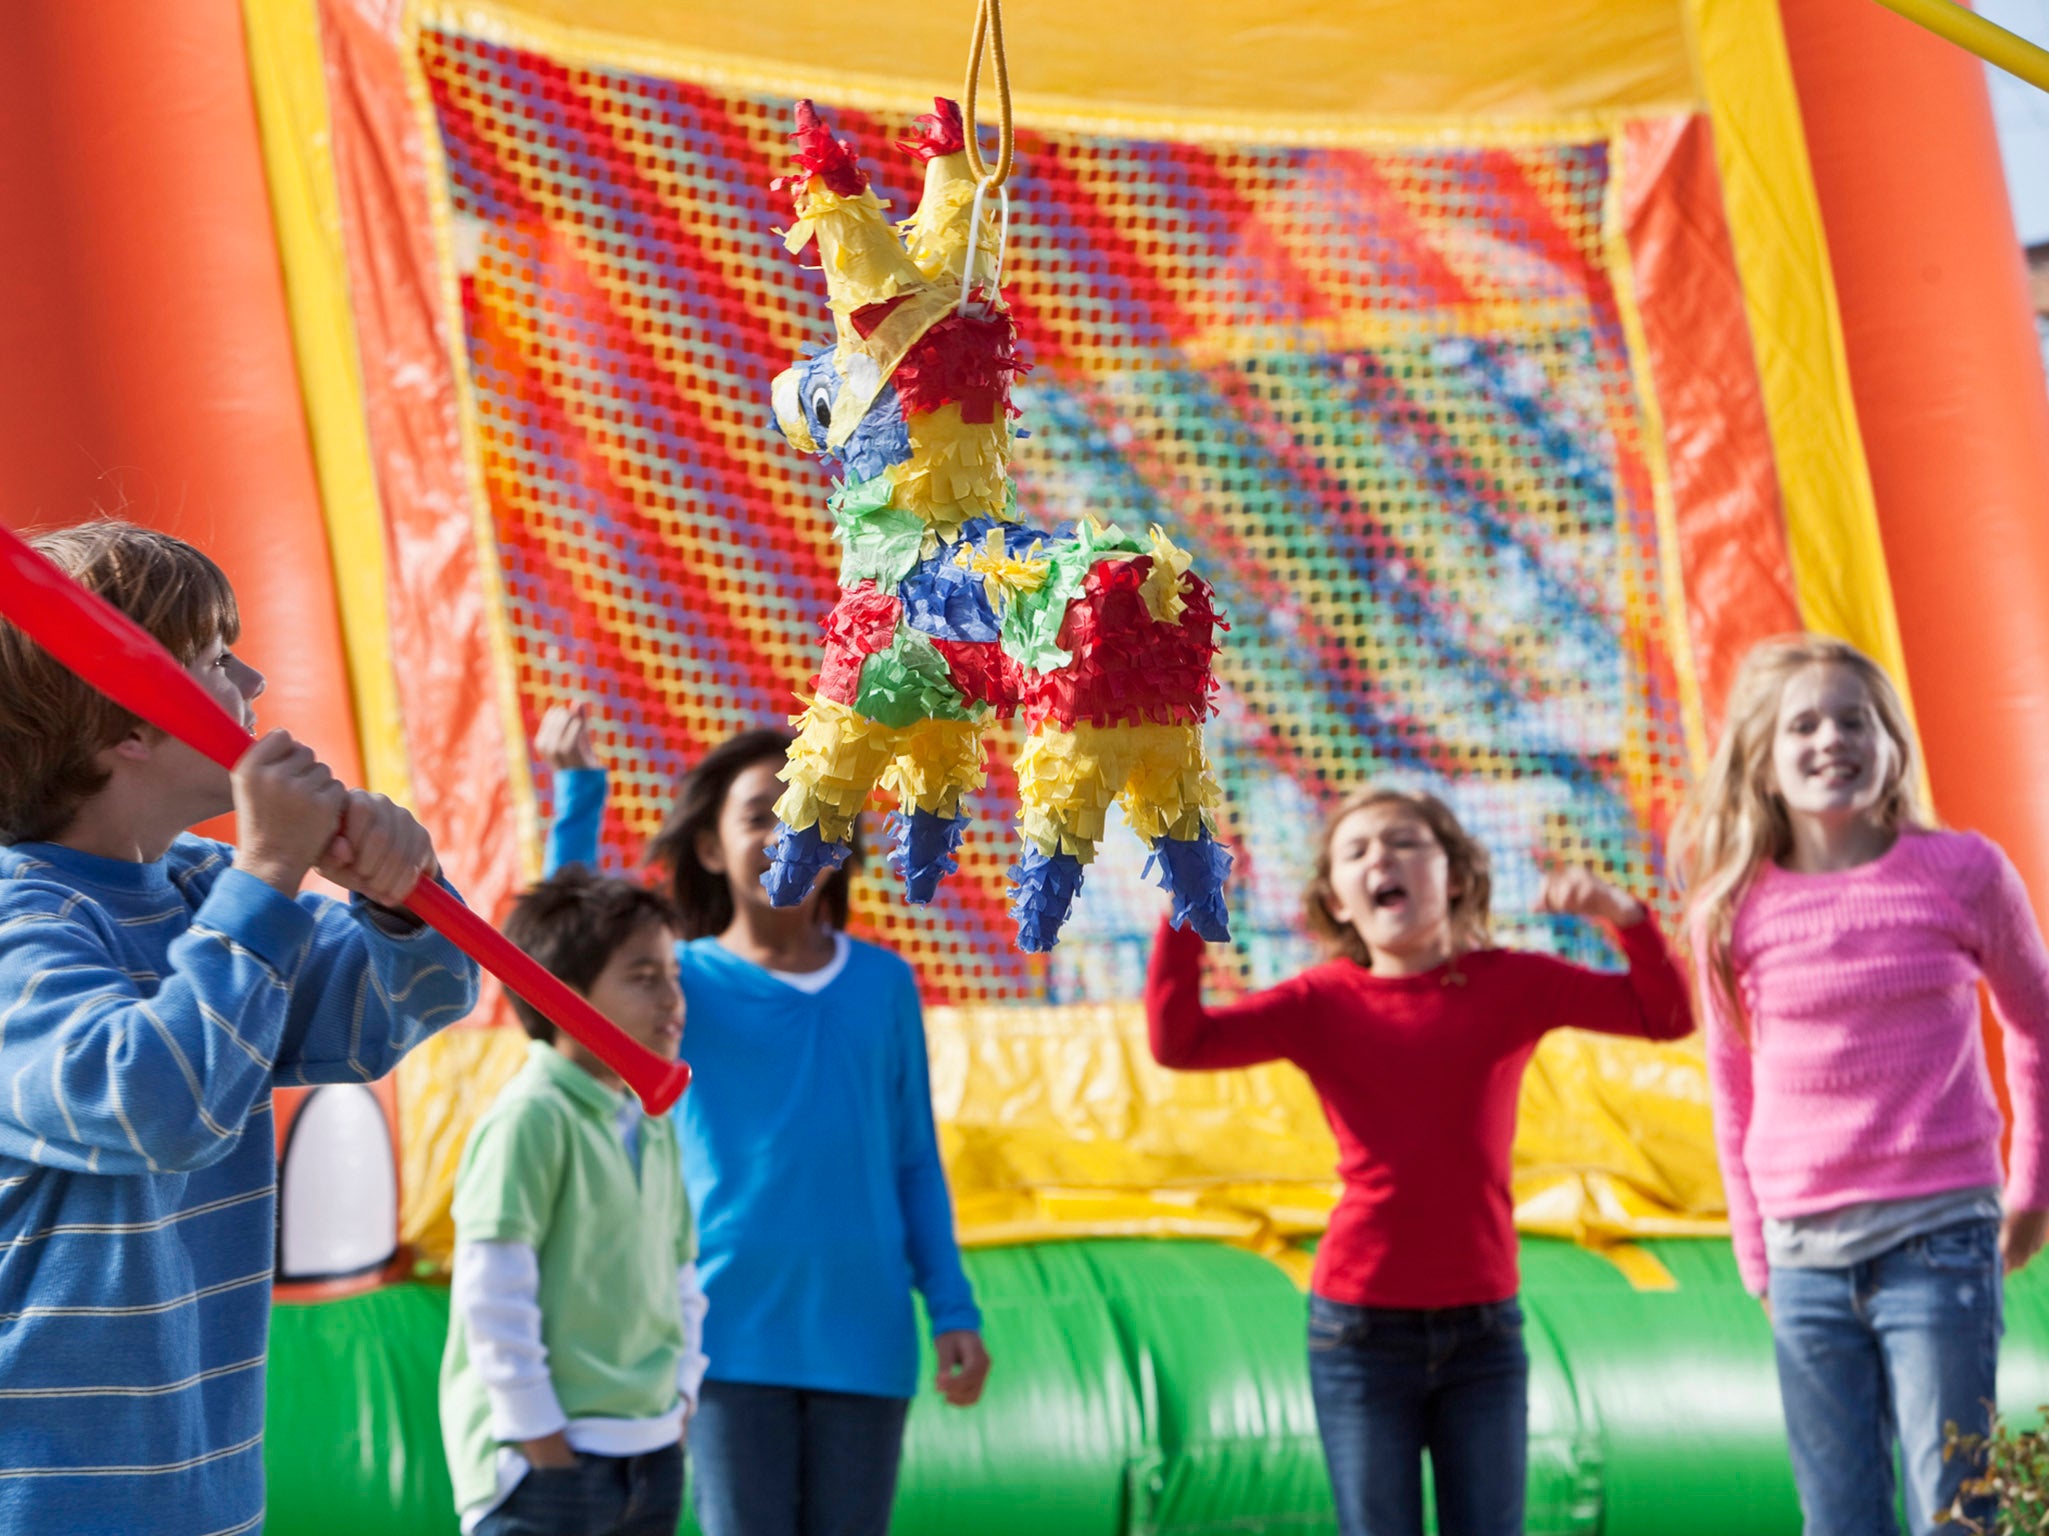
[{"x": 495, "y": 1294}]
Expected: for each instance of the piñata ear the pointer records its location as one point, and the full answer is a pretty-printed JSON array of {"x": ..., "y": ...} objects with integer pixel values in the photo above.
[{"x": 863, "y": 261}]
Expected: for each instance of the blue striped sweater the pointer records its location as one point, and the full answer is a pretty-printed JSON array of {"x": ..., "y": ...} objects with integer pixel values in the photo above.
[{"x": 146, "y": 1012}]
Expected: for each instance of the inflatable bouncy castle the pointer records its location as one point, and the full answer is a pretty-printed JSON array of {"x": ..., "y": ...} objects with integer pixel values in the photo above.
[{"x": 1504, "y": 371}]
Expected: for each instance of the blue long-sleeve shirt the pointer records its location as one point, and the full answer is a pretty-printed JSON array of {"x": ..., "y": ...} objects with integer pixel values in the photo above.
[
  {"x": 812, "y": 1161},
  {"x": 579, "y": 817},
  {"x": 146, "y": 1012}
]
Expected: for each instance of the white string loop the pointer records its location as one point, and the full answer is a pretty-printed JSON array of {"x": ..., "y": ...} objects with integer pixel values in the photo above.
[{"x": 967, "y": 273}]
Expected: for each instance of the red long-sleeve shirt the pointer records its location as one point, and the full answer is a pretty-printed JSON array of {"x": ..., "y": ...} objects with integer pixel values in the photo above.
[{"x": 1419, "y": 1077}]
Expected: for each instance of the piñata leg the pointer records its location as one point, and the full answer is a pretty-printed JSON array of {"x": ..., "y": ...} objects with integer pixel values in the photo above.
[
  {"x": 1064, "y": 791},
  {"x": 937, "y": 762},
  {"x": 832, "y": 768},
  {"x": 1169, "y": 795}
]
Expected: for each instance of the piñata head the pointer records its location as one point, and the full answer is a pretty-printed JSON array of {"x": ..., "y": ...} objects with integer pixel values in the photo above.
[
  {"x": 907, "y": 345},
  {"x": 953, "y": 612}
]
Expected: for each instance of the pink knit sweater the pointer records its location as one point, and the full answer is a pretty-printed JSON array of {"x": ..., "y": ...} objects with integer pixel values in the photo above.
[{"x": 1868, "y": 1078}]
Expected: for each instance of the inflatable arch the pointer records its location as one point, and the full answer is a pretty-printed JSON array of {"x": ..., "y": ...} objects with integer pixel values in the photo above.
[{"x": 1510, "y": 371}]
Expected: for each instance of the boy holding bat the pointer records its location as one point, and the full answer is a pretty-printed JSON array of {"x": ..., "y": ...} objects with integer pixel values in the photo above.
[{"x": 154, "y": 987}]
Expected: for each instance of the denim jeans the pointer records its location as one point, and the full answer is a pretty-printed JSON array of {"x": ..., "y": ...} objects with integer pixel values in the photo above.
[
  {"x": 788, "y": 1461},
  {"x": 1885, "y": 1351},
  {"x": 1393, "y": 1382},
  {"x": 599, "y": 1496}
]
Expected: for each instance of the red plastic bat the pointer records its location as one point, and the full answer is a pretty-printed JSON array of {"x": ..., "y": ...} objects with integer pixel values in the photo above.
[{"x": 121, "y": 659}]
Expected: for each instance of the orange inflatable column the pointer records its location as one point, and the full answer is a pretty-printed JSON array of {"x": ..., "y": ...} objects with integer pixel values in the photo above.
[
  {"x": 146, "y": 366},
  {"x": 145, "y": 360},
  {"x": 1950, "y": 398}
]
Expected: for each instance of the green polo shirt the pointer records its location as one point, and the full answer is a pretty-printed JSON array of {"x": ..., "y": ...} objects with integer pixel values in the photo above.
[{"x": 545, "y": 1166}]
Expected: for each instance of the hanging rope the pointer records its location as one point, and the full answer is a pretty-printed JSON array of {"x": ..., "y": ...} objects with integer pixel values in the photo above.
[{"x": 989, "y": 38}]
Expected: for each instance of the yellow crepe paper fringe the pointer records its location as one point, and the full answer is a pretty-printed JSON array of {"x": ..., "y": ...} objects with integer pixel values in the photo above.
[
  {"x": 955, "y": 471},
  {"x": 1162, "y": 588},
  {"x": 1004, "y": 575},
  {"x": 1067, "y": 781},
  {"x": 937, "y": 235},
  {"x": 838, "y": 755},
  {"x": 863, "y": 261},
  {"x": 937, "y": 761},
  {"x": 841, "y": 755}
]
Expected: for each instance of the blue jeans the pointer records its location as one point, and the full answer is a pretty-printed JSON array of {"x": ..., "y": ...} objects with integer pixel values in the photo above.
[
  {"x": 1887, "y": 1350},
  {"x": 599, "y": 1496},
  {"x": 787, "y": 1461},
  {"x": 1393, "y": 1382}
]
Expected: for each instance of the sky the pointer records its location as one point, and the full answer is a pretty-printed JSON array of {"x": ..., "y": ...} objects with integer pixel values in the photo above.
[{"x": 2022, "y": 112}]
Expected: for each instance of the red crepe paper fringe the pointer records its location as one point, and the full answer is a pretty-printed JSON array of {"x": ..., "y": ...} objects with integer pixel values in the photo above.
[
  {"x": 1128, "y": 667},
  {"x": 939, "y": 132},
  {"x": 965, "y": 360},
  {"x": 860, "y": 625},
  {"x": 820, "y": 154}
]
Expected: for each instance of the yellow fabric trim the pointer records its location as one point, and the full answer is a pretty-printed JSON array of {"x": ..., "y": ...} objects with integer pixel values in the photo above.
[
  {"x": 518, "y": 769},
  {"x": 1054, "y": 1122},
  {"x": 1832, "y": 536},
  {"x": 1482, "y": 72},
  {"x": 291, "y": 114},
  {"x": 1227, "y": 64},
  {"x": 443, "y": 1086},
  {"x": 1639, "y": 1266}
]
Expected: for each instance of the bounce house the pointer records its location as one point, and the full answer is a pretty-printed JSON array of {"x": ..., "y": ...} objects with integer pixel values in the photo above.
[{"x": 1505, "y": 370}]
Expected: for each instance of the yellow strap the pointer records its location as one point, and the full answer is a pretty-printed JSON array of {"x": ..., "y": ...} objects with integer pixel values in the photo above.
[
  {"x": 1974, "y": 34},
  {"x": 1639, "y": 1266},
  {"x": 989, "y": 36}
]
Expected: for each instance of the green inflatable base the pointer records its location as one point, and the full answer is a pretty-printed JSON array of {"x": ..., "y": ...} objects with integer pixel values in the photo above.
[{"x": 1161, "y": 1389}]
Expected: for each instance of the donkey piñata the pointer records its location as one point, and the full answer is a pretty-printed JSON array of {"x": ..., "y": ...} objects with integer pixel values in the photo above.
[{"x": 953, "y": 612}]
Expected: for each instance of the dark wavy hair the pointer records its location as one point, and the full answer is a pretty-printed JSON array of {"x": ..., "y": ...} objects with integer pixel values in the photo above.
[{"x": 703, "y": 900}]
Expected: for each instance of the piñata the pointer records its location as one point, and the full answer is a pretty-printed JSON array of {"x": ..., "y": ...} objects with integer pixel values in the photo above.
[{"x": 955, "y": 613}]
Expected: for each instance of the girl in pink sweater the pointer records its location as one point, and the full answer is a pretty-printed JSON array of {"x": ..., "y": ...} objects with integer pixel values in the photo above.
[{"x": 1839, "y": 940}]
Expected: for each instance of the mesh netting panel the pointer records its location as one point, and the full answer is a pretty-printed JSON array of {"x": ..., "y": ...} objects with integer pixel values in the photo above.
[{"x": 1383, "y": 395}]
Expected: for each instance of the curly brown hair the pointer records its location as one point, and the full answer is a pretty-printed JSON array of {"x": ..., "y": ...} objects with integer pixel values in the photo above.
[
  {"x": 53, "y": 725},
  {"x": 1470, "y": 873}
]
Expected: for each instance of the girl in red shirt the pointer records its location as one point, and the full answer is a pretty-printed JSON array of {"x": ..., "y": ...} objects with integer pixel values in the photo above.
[{"x": 1415, "y": 1035}]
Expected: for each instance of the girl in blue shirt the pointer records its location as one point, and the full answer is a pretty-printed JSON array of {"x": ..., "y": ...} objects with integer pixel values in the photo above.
[{"x": 813, "y": 1165}]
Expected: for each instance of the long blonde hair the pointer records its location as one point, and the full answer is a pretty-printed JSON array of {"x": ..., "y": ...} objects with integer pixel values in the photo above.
[{"x": 1735, "y": 821}]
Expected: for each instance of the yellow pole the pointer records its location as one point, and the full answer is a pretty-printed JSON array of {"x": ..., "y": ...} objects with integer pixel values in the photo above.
[{"x": 1974, "y": 34}]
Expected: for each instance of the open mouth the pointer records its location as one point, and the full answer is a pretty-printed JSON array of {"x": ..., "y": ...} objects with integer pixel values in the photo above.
[
  {"x": 1840, "y": 773},
  {"x": 1389, "y": 895}
]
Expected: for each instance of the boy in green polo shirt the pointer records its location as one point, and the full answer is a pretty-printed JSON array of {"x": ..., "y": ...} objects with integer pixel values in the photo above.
[{"x": 573, "y": 1357}]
